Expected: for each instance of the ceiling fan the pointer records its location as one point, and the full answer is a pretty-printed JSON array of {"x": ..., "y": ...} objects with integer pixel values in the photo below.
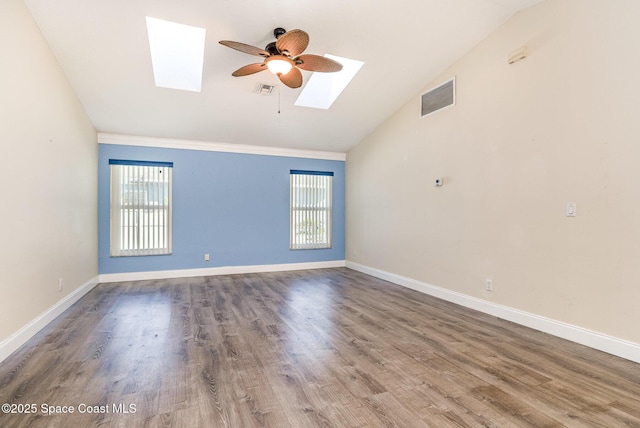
[{"x": 284, "y": 57}]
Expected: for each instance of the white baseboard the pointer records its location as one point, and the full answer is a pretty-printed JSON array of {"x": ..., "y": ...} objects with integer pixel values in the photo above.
[
  {"x": 225, "y": 270},
  {"x": 19, "y": 338},
  {"x": 602, "y": 342},
  {"x": 583, "y": 336}
]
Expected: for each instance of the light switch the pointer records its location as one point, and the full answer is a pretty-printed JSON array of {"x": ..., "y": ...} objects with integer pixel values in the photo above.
[{"x": 571, "y": 209}]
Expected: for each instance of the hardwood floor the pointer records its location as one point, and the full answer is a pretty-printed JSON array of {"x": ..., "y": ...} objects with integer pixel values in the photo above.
[{"x": 322, "y": 348}]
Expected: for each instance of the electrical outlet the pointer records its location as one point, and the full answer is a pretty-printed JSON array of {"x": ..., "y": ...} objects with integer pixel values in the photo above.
[
  {"x": 60, "y": 284},
  {"x": 206, "y": 257},
  {"x": 488, "y": 284}
]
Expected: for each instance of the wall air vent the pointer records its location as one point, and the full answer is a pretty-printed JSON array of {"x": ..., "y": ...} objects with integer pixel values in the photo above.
[{"x": 438, "y": 98}]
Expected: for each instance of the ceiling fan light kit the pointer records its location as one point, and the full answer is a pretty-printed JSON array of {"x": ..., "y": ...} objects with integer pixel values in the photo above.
[
  {"x": 284, "y": 57},
  {"x": 279, "y": 64}
]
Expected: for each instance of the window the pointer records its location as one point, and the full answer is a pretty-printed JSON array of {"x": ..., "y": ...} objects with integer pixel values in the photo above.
[
  {"x": 310, "y": 209},
  {"x": 140, "y": 208}
]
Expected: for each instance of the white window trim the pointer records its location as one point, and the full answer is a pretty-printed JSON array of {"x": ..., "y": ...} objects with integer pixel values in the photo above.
[
  {"x": 313, "y": 205},
  {"x": 148, "y": 182}
]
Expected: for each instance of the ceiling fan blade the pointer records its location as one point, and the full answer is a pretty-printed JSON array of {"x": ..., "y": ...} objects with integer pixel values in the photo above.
[
  {"x": 292, "y": 79},
  {"x": 293, "y": 43},
  {"x": 242, "y": 47},
  {"x": 249, "y": 69},
  {"x": 317, "y": 63}
]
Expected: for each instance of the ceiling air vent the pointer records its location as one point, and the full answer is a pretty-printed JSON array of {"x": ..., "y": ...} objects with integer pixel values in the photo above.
[
  {"x": 438, "y": 98},
  {"x": 263, "y": 89}
]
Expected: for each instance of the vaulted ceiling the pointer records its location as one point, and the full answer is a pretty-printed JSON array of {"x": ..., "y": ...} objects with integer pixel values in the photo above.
[{"x": 103, "y": 48}]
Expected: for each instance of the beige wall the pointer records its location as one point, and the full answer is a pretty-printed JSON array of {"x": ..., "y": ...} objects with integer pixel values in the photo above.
[
  {"x": 523, "y": 140},
  {"x": 48, "y": 150}
]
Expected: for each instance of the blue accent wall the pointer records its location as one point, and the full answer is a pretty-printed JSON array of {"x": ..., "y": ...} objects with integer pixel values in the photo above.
[{"x": 233, "y": 206}]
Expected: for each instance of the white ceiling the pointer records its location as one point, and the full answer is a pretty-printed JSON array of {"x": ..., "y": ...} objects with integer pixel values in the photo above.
[{"x": 103, "y": 48}]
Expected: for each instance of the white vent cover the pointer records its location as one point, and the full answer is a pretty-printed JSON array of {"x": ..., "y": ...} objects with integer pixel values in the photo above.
[
  {"x": 264, "y": 89},
  {"x": 438, "y": 98}
]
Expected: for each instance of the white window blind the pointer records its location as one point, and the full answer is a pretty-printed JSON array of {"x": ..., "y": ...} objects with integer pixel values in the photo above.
[
  {"x": 140, "y": 208},
  {"x": 310, "y": 209}
]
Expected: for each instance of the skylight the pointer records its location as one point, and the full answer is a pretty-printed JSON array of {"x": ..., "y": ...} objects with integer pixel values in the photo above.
[
  {"x": 323, "y": 89},
  {"x": 177, "y": 54}
]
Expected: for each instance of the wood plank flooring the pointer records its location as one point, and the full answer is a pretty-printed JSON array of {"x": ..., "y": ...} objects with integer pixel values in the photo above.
[{"x": 320, "y": 348}]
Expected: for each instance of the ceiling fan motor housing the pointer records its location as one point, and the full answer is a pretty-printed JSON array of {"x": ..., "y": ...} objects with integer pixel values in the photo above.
[{"x": 272, "y": 49}]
